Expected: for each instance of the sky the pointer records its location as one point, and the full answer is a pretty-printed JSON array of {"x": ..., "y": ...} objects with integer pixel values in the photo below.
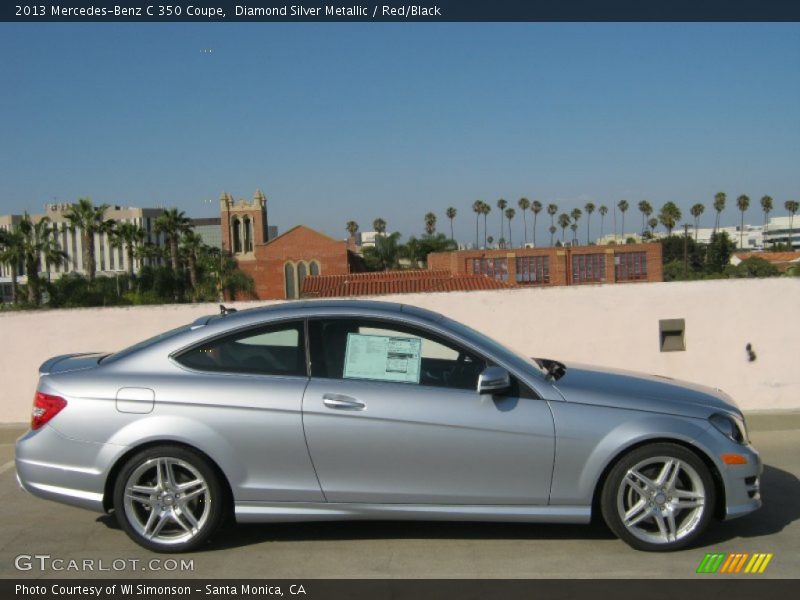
[{"x": 356, "y": 121}]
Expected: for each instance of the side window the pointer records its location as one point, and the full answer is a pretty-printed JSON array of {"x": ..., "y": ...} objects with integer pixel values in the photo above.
[
  {"x": 381, "y": 351},
  {"x": 273, "y": 350}
]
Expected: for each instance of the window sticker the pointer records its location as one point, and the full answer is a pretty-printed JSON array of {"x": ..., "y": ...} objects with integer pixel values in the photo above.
[{"x": 383, "y": 358}]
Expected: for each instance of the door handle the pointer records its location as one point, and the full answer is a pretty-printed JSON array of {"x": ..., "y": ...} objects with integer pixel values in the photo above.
[{"x": 342, "y": 402}]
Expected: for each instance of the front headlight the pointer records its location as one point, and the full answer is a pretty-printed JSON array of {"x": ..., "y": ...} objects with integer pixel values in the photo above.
[{"x": 731, "y": 427}]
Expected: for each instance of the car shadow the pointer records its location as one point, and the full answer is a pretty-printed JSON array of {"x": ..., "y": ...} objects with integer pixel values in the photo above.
[{"x": 780, "y": 490}]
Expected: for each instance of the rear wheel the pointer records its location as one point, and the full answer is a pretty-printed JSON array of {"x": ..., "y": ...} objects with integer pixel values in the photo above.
[
  {"x": 168, "y": 499},
  {"x": 658, "y": 497}
]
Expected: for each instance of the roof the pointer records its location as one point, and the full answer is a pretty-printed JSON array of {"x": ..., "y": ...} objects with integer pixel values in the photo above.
[
  {"x": 298, "y": 227},
  {"x": 396, "y": 282},
  {"x": 772, "y": 257}
]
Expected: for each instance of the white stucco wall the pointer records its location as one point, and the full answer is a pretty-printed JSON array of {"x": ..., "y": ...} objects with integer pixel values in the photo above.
[{"x": 613, "y": 325}]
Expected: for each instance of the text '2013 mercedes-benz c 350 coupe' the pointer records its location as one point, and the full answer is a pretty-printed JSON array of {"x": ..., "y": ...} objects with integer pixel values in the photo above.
[{"x": 343, "y": 410}]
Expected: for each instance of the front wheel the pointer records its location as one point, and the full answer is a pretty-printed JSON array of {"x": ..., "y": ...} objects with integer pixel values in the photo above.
[
  {"x": 168, "y": 499},
  {"x": 658, "y": 497}
]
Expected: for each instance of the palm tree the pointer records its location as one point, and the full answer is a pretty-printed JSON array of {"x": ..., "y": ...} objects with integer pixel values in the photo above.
[
  {"x": 697, "y": 210},
  {"x": 742, "y": 203},
  {"x": 192, "y": 247},
  {"x": 89, "y": 219},
  {"x": 491, "y": 240},
  {"x": 552, "y": 229},
  {"x": 352, "y": 228},
  {"x": 485, "y": 210},
  {"x": 603, "y": 210},
  {"x": 524, "y": 204},
  {"x": 791, "y": 206},
  {"x": 623, "y": 207},
  {"x": 646, "y": 209},
  {"x": 451, "y": 214},
  {"x": 574, "y": 228},
  {"x": 589, "y": 208},
  {"x": 130, "y": 236},
  {"x": 430, "y": 223},
  {"x": 669, "y": 216},
  {"x": 652, "y": 222},
  {"x": 552, "y": 209},
  {"x": 563, "y": 222},
  {"x": 719, "y": 206},
  {"x": 149, "y": 253},
  {"x": 510, "y": 212},
  {"x": 501, "y": 205},
  {"x": 379, "y": 225},
  {"x": 536, "y": 208},
  {"x": 38, "y": 243},
  {"x": 173, "y": 223},
  {"x": 576, "y": 216},
  {"x": 12, "y": 255},
  {"x": 766, "y": 206},
  {"x": 477, "y": 208}
]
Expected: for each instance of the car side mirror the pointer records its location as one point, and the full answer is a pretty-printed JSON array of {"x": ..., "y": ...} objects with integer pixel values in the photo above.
[{"x": 493, "y": 380}]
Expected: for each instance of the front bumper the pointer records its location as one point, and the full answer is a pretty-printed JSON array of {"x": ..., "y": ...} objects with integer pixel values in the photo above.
[{"x": 743, "y": 484}]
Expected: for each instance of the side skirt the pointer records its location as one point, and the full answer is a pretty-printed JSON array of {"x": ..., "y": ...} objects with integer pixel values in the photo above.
[{"x": 275, "y": 512}]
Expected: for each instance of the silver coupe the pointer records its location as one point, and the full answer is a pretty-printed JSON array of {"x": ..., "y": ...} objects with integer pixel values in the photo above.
[{"x": 338, "y": 410}]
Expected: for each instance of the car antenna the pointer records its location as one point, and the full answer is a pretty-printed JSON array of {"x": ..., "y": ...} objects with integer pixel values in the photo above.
[{"x": 225, "y": 311}]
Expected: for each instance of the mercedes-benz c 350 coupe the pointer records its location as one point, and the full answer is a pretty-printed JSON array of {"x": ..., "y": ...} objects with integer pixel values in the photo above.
[{"x": 326, "y": 410}]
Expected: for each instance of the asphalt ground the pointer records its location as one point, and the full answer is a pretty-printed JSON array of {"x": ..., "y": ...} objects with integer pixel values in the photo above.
[{"x": 33, "y": 527}]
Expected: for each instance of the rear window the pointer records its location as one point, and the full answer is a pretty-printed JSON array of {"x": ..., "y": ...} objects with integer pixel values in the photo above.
[{"x": 144, "y": 344}]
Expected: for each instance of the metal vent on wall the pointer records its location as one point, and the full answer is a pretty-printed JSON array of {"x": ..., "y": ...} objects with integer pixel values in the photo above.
[{"x": 671, "y": 334}]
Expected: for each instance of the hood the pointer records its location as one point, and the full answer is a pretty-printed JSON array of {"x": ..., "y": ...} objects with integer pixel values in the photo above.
[
  {"x": 71, "y": 362},
  {"x": 624, "y": 389}
]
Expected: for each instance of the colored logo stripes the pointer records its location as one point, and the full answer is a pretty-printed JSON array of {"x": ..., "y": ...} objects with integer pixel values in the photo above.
[{"x": 742, "y": 562}]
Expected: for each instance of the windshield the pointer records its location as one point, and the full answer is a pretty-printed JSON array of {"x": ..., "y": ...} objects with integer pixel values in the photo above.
[
  {"x": 143, "y": 344},
  {"x": 495, "y": 347}
]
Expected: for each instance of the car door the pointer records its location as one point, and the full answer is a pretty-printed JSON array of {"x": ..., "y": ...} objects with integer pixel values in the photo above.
[{"x": 392, "y": 415}]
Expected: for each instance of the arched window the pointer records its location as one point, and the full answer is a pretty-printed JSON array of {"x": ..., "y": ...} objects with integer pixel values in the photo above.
[
  {"x": 302, "y": 271},
  {"x": 314, "y": 268},
  {"x": 236, "y": 236},
  {"x": 289, "y": 281},
  {"x": 248, "y": 234}
]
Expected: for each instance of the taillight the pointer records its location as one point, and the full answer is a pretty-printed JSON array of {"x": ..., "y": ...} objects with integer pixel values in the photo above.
[{"x": 45, "y": 407}]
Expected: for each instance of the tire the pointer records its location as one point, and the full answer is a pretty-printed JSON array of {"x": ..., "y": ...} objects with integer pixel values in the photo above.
[
  {"x": 655, "y": 507},
  {"x": 169, "y": 499}
]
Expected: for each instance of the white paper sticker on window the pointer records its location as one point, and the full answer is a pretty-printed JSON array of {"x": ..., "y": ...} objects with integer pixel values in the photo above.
[{"x": 383, "y": 358}]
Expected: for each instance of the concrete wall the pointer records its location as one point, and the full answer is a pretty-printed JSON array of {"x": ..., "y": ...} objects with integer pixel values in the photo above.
[{"x": 612, "y": 325}]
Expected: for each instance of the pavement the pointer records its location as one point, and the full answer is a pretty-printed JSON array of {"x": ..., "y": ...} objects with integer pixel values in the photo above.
[{"x": 34, "y": 527}]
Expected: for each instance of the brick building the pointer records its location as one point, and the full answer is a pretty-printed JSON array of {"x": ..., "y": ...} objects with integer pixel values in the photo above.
[
  {"x": 557, "y": 266},
  {"x": 278, "y": 266}
]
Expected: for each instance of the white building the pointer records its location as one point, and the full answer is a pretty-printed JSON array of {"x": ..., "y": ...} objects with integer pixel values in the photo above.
[{"x": 778, "y": 231}]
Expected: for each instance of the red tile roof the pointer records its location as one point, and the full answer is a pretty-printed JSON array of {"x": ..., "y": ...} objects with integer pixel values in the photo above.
[
  {"x": 773, "y": 257},
  {"x": 396, "y": 282}
]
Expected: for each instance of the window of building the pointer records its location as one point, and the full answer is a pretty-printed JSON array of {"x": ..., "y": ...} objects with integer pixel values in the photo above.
[
  {"x": 289, "y": 280},
  {"x": 236, "y": 235},
  {"x": 302, "y": 271},
  {"x": 248, "y": 234},
  {"x": 496, "y": 268},
  {"x": 102, "y": 249},
  {"x": 630, "y": 266},
  {"x": 533, "y": 269},
  {"x": 314, "y": 268},
  {"x": 272, "y": 350},
  {"x": 587, "y": 268}
]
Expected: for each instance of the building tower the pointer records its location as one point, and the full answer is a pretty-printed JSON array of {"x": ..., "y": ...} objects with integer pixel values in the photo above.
[{"x": 244, "y": 224}]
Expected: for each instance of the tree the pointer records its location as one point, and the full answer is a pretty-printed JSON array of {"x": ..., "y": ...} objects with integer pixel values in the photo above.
[
  {"x": 224, "y": 278},
  {"x": 451, "y": 213},
  {"x": 485, "y": 210},
  {"x": 574, "y": 228},
  {"x": 766, "y": 206},
  {"x": 510, "y": 213},
  {"x": 719, "y": 206},
  {"x": 379, "y": 225},
  {"x": 576, "y": 215},
  {"x": 563, "y": 222},
  {"x": 477, "y": 208},
  {"x": 552, "y": 229},
  {"x": 742, "y": 203},
  {"x": 536, "y": 208},
  {"x": 646, "y": 209},
  {"x": 603, "y": 210},
  {"x": 755, "y": 266},
  {"x": 669, "y": 216},
  {"x": 718, "y": 252},
  {"x": 430, "y": 223},
  {"x": 173, "y": 223},
  {"x": 130, "y": 236},
  {"x": 501, "y": 205},
  {"x": 697, "y": 210},
  {"x": 791, "y": 206},
  {"x": 417, "y": 250},
  {"x": 589, "y": 208},
  {"x": 524, "y": 204},
  {"x": 38, "y": 243},
  {"x": 90, "y": 220},
  {"x": 652, "y": 222},
  {"x": 352, "y": 228},
  {"x": 385, "y": 254},
  {"x": 552, "y": 209},
  {"x": 192, "y": 247},
  {"x": 623, "y": 207},
  {"x": 12, "y": 255}
]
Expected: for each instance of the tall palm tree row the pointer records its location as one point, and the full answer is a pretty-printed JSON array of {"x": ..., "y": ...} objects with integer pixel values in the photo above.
[
  {"x": 742, "y": 203},
  {"x": 766, "y": 206},
  {"x": 576, "y": 216},
  {"x": 510, "y": 212},
  {"x": 379, "y": 225},
  {"x": 524, "y": 204},
  {"x": 719, "y": 205},
  {"x": 646, "y": 209},
  {"x": 603, "y": 210},
  {"x": 477, "y": 208},
  {"x": 352, "y": 228},
  {"x": 536, "y": 208},
  {"x": 38, "y": 242},
  {"x": 501, "y": 206},
  {"x": 130, "y": 236},
  {"x": 623, "y": 206},
  {"x": 451, "y": 213},
  {"x": 552, "y": 209},
  {"x": 430, "y": 223},
  {"x": 669, "y": 216},
  {"x": 485, "y": 210},
  {"x": 697, "y": 210},
  {"x": 91, "y": 220},
  {"x": 563, "y": 222},
  {"x": 589, "y": 208}
]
